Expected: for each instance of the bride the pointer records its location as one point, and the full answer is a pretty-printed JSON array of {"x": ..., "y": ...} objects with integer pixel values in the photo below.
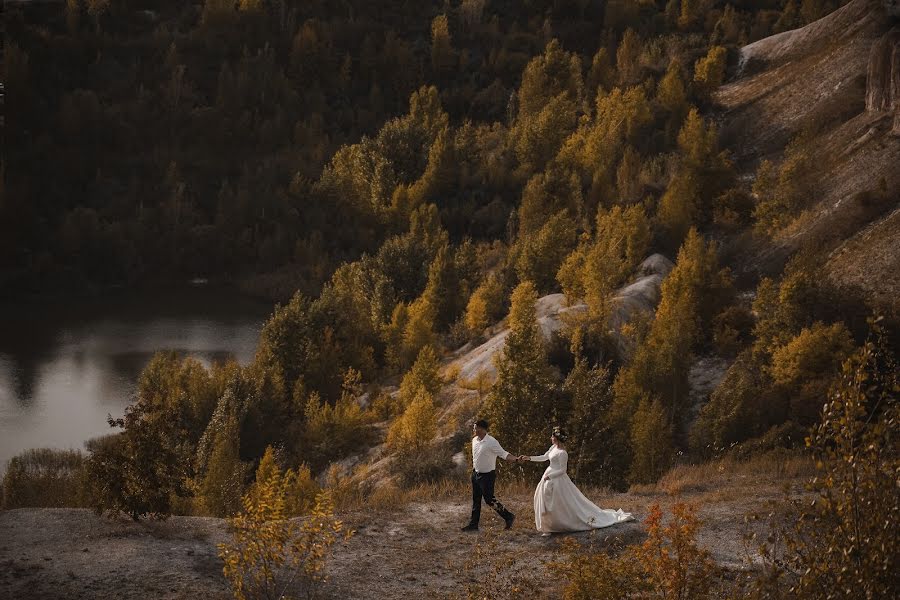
[{"x": 559, "y": 505}]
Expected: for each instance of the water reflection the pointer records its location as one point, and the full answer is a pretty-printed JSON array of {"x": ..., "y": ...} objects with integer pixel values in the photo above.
[{"x": 64, "y": 367}]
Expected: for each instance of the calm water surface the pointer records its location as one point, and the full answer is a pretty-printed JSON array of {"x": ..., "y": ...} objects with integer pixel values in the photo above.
[{"x": 65, "y": 365}]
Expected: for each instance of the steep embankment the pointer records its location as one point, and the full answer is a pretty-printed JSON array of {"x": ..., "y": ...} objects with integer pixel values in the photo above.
[{"x": 839, "y": 80}]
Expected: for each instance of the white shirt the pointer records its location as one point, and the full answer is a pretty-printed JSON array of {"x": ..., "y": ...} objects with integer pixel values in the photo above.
[{"x": 485, "y": 453}]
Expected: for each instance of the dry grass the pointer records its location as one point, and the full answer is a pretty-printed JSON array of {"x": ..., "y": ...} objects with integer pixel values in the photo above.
[{"x": 711, "y": 476}]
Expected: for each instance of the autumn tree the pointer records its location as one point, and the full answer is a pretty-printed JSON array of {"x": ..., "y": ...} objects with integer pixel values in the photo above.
[
  {"x": 555, "y": 73},
  {"x": 709, "y": 72},
  {"x": 703, "y": 174},
  {"x": 622, "y": 238},
  {"x": 628, "y": 58},
  {"x": 412, "y": 431},
  {"x": 443, "y": 57},
  {"x": 222, "y": 485},
  {"x": 782, "y": 192},
  {"x": 594, "y": 149},
  {"x": 671, "y": 94},
  {"x": 835, "y": 547},
  {"x": 657, "y": 375},
  {"x": 804, "y": 367},
  {"x": 549, "y": 193},
  {"x": 542, "y": 253},
  {"x": 651, "y": 442},
  {"x": 486, "y": 304},
  {"x": 425, "y": 374},
  {"x": 332, "y": 431},
  {"x": 601, "y": 73},
  {"x": 520, "y": 405},
  {"x": 590, "y": 395}
]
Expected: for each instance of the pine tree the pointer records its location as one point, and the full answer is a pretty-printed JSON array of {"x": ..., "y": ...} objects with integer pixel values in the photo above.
[
  {"x": 443, "y": 292},
  {"x": 621, "y": 241},
  {"x": 628, "y": 176},
  {"x": 651, "y": 441},
  {"x": 485, "y": 305},
  {"x": 692, "y": 294},
  {"x": 671, "y": 94},
  {"x": 602, "y": 73},
  {"x": 555, "y": 73},
  {"x": 443, "y": 57},
  {"x": 543, "y": 253},
  {"x": 521, "y": 403},
  {"x": 628, "y": 58},
  {"x": 416, "y": 427},
  {"x": 423, "y": 374},
  {"x": 223, "y": 484},
  {"x": 709, "y": 72},
  {"x": 590, "y": 391},
  {"x": 703, "y": 174}
]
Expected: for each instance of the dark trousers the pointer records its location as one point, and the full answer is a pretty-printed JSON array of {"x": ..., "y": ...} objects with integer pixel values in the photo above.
[{"x": 483, "y": 488}]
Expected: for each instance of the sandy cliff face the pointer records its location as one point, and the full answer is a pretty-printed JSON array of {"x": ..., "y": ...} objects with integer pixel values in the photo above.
[
  {"x": 838, "y": 79},
  {"x": 883, "y": 76}
]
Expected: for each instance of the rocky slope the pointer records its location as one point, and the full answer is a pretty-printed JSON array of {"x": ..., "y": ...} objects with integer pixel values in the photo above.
[{"x": 838, "y": 80}]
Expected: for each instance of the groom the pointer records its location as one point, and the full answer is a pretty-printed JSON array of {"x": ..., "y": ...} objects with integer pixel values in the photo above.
[{"x": 485, "y": 450}]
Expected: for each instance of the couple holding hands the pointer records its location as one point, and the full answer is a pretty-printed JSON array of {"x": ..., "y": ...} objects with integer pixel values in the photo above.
[{"x": 559, "y": 506}]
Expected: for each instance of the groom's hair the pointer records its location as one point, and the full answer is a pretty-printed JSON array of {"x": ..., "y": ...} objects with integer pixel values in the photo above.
[{"x": 483, "y": 424}]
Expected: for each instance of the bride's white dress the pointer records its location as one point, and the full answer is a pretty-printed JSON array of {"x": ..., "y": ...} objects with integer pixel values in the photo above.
[{"x": 560, "y": 506}]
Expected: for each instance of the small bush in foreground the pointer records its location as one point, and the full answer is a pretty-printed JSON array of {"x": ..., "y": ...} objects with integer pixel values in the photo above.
[
  {"x": 271, "y": 555},
  {"x": 669, "y": 564}
]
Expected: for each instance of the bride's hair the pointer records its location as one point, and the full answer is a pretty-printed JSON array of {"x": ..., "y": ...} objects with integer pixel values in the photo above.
[{"x": 560, "y": 433}]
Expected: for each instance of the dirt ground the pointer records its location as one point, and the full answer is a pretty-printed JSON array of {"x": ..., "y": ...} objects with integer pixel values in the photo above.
[{"x": 416, "y": 548}]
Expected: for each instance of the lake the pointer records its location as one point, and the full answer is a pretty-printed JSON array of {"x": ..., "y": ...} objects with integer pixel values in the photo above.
[{"x": 65, "y": 365}]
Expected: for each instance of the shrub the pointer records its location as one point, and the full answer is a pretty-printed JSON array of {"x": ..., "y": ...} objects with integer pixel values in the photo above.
[
  {"x": 805, "y": 366},
  {"x": 334, "y": 431},
  {"x": 45, "y": 477},
  {"x": 269, "y": 553},
  {"x": 742, "y": 406},
  {"x": 731, "y": 330},
  {"x": 669, "y": 564},
  {"x": 844, "y": 545}
]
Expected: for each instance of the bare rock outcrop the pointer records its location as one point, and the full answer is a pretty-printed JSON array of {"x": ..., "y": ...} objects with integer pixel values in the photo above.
[
  {"x": 892, "y": 7},
  {"x": 883, "y": 76},
  {"x": 642, "y": 295}
]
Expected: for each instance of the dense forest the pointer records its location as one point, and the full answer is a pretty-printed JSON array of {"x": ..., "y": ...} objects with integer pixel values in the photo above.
[
  {"x": 270, "y": 142},
  {"x": 401, "y": 176}
]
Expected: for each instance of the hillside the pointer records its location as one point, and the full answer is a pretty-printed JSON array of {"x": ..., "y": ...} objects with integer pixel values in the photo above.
[
  {"x": 657, "y": 226},
  {"x": 838, "y": 81}
]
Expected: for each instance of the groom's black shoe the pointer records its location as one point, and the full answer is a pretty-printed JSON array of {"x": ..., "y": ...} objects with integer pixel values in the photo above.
[
  {"x": 470, "y": 527},
  {"x": 509, "y": 521}
]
